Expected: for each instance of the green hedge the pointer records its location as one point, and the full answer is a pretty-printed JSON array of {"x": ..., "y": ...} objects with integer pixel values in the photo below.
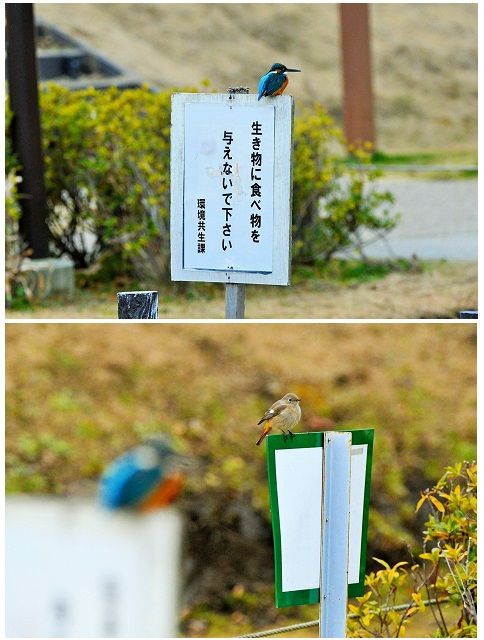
[
  {"x": 107, "y": 157},
  {"x": 108, "y": 180}
]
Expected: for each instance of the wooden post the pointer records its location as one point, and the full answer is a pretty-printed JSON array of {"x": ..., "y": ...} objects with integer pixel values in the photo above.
[
  {"x": 357, "y": 83},
  {"x": 234, "y": 301},
  {"x": 138, "y": 305},
  {"x": 26, "y": 133},
  {"x": 335, "y": 527}
]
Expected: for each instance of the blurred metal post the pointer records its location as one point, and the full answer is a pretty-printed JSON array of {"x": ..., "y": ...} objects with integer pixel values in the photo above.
[
  {"x": 138, "y": 305},
  {"x": 468, "y": 315},
  {"x": 234, "y": 301},
  {"x": 357, "y": 84},
  {"x": 335, "y": 527},
  {"x": 26, "y": 132}
]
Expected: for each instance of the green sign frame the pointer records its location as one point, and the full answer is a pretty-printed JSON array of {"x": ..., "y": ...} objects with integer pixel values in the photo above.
[{"x": 308, "y": 440}]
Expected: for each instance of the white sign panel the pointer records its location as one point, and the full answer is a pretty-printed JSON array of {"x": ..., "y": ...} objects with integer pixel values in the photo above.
[
  {"x": 74, "y": 570},
  {"x": 299, "y": 491},
  {"x": 299, "y": 487},
  {"x": 229, "y": 183},
  {"x": 231, "y": 188},
  {"x": 357, "y": 499}
]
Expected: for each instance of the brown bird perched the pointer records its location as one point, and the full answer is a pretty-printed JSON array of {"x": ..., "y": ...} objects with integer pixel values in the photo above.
[{"x": 284, "y": 415}]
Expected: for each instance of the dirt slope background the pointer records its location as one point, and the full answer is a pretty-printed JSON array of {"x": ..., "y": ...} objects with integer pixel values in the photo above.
[{"x": 424, "y": 55}]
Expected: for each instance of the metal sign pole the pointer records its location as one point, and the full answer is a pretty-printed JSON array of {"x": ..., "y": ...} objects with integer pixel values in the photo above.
[
  {"x": 234, "y": 301},
  {"x": 335, "y": 521}
]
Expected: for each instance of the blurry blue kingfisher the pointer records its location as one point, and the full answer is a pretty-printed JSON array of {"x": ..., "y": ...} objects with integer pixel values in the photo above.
[
  {"x": 146, "y": 477},
  {"x": 274, "y": 81}
]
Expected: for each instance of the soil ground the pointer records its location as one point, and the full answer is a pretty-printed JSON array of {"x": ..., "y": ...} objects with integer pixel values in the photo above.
[{"x": 440, "y": 291}]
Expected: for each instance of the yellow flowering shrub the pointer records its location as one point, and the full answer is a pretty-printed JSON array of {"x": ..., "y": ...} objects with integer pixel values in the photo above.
[{"x": 443, "y": 580}]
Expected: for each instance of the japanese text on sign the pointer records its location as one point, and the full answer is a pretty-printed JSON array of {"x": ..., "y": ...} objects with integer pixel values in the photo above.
[
  {"x": 228, "y": 187},
  {"x": 256, "y": 161},
  {"x": 201, "y": 225}
]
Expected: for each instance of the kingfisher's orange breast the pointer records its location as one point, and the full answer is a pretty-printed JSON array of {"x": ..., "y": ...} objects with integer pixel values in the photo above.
[
  {"x": 279, "y": 91},
  {"x": 165, "y": 494}
]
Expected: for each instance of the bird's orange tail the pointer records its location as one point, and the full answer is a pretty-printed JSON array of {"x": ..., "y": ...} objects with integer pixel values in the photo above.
[{"x": 263, "y": 435}]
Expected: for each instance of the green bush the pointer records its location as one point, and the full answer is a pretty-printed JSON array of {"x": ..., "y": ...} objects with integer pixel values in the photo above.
[
  {"x": 16, "y": 285},
  {"x": 446, "y": 582},
  {"x": 107, "y": 175},
  {"x": 333, "y": 203},
  {"x": 12, "y": 180},
  {"x": 107, "y": 156}
]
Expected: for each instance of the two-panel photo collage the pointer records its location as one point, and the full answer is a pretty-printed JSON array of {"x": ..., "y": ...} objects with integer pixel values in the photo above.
[{"x": 241, "y": 317}]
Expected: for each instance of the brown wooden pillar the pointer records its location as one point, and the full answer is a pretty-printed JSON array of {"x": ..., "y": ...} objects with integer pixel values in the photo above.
[
  {"x": 27, "y": 142},
  {"x": 357, "y": 84}
]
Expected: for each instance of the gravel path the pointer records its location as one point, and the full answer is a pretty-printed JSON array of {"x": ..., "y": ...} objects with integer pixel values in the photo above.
[{"x": 438, "y": 220}]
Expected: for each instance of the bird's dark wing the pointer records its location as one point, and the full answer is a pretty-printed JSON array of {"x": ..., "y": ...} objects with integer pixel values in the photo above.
[
  {"x": 272, "y": 82},
  {"x": 139, "y": 486},
  {"x": 274, "y": 411},
  {"x": 262, "y": 85}
]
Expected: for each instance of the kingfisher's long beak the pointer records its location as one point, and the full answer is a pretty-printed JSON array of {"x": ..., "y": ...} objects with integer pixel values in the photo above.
[{"x": 293, "y": 70}]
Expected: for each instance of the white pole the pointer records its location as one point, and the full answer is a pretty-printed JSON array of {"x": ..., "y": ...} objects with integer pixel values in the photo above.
[{"x": 335, "y": 514}]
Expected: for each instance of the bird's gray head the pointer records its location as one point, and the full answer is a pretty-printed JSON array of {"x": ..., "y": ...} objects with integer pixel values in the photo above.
[
  {"x": 291, "y": 398},
  {"x": 281, "y": 68}
]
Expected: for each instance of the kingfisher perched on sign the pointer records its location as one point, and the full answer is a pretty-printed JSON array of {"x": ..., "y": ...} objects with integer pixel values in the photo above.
[
  {"x": 274, "y": 81},
  {"x": 147, "y": 477}
]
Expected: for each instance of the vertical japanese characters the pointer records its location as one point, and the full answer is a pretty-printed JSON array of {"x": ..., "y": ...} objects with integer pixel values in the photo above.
[
  {"x": 256, "y": 180},
  {"x": 255, "y": 218},
  {"x": 201, "y": 229},
  {"x": 227, "y": 172},
  {"x": 228, "y": 187}
]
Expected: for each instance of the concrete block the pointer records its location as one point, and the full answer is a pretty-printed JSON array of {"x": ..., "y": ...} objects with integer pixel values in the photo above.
[{"x": 47, "y": 276}]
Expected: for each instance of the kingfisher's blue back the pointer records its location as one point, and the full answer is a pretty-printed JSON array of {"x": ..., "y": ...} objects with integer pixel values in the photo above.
[
  {"x": 274, "y": 81},
  {"x": 149, "y": 476},
  {"x": 126, "y": 483},
  {"x": 270, "y": 83}
]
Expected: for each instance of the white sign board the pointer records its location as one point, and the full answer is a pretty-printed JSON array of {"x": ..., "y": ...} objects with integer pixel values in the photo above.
[
  {"x": 73, "y": 570},
  {"x": 299, "y": 473},
  {"x": 298, "y": 477},
  {"x": 295, "y": 481},
  {"x": 231, "y": 188}
]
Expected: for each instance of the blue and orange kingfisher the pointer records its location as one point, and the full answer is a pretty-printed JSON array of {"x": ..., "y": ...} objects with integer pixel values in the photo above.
[
  {"x": 149, "y": 476},
  {"x": 274, "y": 81}
]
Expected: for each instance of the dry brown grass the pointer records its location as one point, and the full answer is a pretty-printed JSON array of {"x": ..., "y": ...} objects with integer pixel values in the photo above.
[
  {"x": 437, "y": 293},
  {"x": 425, "y": 56}
]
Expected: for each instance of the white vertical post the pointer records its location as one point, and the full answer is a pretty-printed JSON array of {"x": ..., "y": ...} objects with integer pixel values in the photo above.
[{"x": 335, "y": 514}]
